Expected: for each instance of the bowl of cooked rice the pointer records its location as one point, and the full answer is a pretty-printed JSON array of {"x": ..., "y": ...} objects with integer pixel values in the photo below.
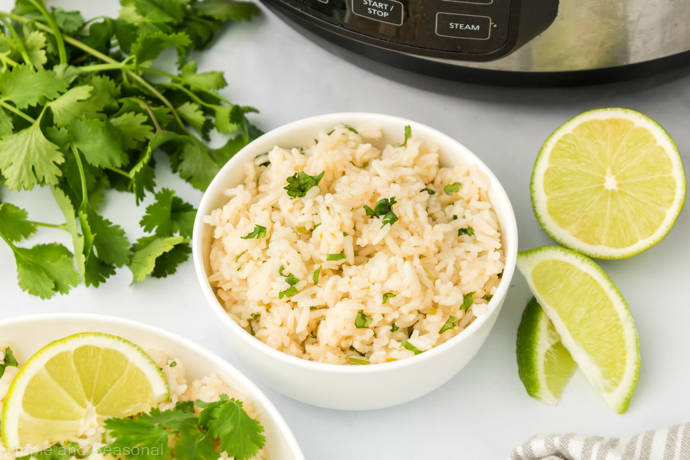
[
  {"x": 355, "y": 261},
  {"x": 193, "y": 375}
]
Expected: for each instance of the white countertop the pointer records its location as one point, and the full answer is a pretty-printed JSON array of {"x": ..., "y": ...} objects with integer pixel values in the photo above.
[{"x": 484, "y": 411}]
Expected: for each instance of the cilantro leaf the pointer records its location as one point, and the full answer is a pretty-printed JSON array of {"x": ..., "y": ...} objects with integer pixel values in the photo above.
[
  {"x": 197, "y": 164},
  {"x": 240, "y": 435},
  {"x": 452, "y": 188},
  {"x": 170, "y": 215},
  {"x": 27, "y": 158},
  {"x": 26, "y": 87},
  {"x": 411, "y": 347},
  {"x": 315, "y": 276},
  {"x": 132, "y": 433},
  {"x": 292, "y": 290},
  {"x": 362, "y": 321},
  {"x": 99, "y": 141},
  {"x": 195, "y": 446},
  {"x": 34, "y": 45},
  {"x": 110, "y": 241},
  {"x": 428, "y": 190},
  {"x": 68, "y": 21},
  {"x": 335, "y": 257},
  {"x": 223, "y": 10},
  {"x": 449, "y": 324},
  {"x": 467, "y": 301},
  {"x": 168, "y": 262},
  {"x": 142, "y": 173},
  {"x": 466, "y": 231},
  {"x": 8, "y": 361},
  {"x": 45, "y": 269},
  {"x": 66, "y": 107},
  {"x": 192, "y": 114},
  {"x": 383, "y": 209},
  {"x": 14, "y": 223},
  {"x": 258, "y": 232},
  {"x": 213, "y": 80},
  {"x": 350, "y": 128},
  {"x": 300, "y": 183},
  {"x": 6, "y": 125},
  {"x": 386, "y": 296},
  {"x": 133, "y": 129},
  {"x": 180, "y": 418},
  {"x": 146, "y": 251},
  {"x": 394, "y": 327},
  {"x": 148, "y": 46}
]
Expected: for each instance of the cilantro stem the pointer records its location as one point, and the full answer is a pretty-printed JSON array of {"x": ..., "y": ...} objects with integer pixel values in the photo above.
[
  {"x": 153, "y": 117},
  {"x": 56, "y": 30},
  {"x": 44, "y": 224},
  {"x": 17, "y": 111},
  {"x": 186, "y": 82},
  {"x": 17, "y": 41},
  {"x": 101, "y": 67},
  {"x": 7, "y": 60},
  {"x": 120, "y": 172},
  {"x": 82, "y": 176}
]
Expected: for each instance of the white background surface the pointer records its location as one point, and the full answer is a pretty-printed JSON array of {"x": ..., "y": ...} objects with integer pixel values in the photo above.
[{"x": 484, "y": 411}]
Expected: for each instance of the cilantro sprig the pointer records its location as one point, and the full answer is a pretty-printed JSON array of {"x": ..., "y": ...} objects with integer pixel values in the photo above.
[
  {"x": 384, "y": 210},
  {"x": 292, "y": 290},
  {"x": 300, "y": 183},
  {"x": 80, "y": 116},
  {"x": 224, "y": 423}
]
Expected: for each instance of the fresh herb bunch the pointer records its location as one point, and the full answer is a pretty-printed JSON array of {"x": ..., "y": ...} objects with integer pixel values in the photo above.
[
  {"x": 79, "y": 114},
  {"x": 223, "y": 423}
]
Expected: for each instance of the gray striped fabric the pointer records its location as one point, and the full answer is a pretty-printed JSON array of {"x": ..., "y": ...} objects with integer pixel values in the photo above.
[{"x": 664, "y": 444}]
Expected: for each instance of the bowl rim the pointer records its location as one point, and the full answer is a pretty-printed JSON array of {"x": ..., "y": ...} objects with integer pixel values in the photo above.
[
  {"x": 254, "y": 392},
  {"x": 216, "y": 187}
]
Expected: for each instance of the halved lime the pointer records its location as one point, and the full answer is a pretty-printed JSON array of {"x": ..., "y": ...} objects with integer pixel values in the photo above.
[
  {"x": 75, "y": 380},
  {"x": 544, "y": 364},
  {"x": 609, "y": 183},
  {"x": 591, "y": 317}
]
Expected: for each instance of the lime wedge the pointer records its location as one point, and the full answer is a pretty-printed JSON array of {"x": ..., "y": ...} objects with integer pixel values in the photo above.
[
  {"x": 591, "y": 317},
  {"x": 609, "y": 184},
  {"x": 544, "y": 364},
  {"x": 74, "y": 381}
]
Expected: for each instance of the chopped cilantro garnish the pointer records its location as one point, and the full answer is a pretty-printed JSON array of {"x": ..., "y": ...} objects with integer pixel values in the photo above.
[
  {"x": 256, "y": 316},
  {"x": 280, "y": 270},
  {"x": 394, "y": 327},
  {"x": 488, "y": 297},
  {"x": 467, "y": 301},
  {"x": 173, "y": 364},
  {"x": 10, "y": 361},
  {"x": 362, "y": 321},
  {"x": 366, "y": 163},
  {"x": 452, "y": 188},
  {"x": 358, "y": 361},
  {"x": 259, "y": 232},
  {"x": 315, "y": 276},
  {"x": 450, "y": 324},
  {"x": 312, "y": 308},
  {"x": 344, "y": 233},
  {"x": 335, "y": 257},
  {"x": 351, "y": 129},
  {"x": 500, "y": 275},
  {"x": 383, "y": 209},
  {"x": 469, "y": 231},
  {"x": 292, "y": 290},
  {"x": 408, "y": 135},
  {"x": 356, "y": 351},
  {"x": 387, "y": 296},
  {"x": 429, "y": 191},
  {"x": 455, "y": 217},
  {"x": 312, "y": 334},
  {"x": 317, "y": 226},
  {"x": 299, "y": 184},
  {"x": 240, "y": 255},
  {"x": 265, "y": 163},
  {"x": 411, "y": 347},
  {"x": 330, "y": 132}
]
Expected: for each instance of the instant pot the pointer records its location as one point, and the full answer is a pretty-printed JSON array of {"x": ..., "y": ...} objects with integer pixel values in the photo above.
[{"x": 513, "y": 42}]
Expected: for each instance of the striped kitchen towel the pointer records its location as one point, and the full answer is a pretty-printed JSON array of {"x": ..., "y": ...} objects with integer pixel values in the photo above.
[{"x": 664, "y": 444}]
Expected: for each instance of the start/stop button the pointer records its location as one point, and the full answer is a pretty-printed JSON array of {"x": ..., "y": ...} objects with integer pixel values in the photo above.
[
  {"x": 388, "y": 11},
  {"x": 463, "y": 26}
]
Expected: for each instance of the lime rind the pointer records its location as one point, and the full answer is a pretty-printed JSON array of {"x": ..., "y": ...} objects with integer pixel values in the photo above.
[
  {"x": 540, "y": 355},
  {"x": 619, "y": 399},
  {"x": 600, "y": 251},
  {"x": 12, "y": 404}
]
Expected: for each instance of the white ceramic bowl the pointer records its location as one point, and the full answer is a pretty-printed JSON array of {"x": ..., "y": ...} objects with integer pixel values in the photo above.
[
  {"x": 353, "y": 387},
  {"x": 31, "y": 333}
]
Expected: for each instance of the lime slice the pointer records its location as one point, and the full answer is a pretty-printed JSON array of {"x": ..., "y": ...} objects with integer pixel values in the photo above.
[
  {"x": 544, "y": 364},
  {"x": 609, "y": 184},
  {"x": 74, "y": 381},
  {"x": 591, "y": 317}
]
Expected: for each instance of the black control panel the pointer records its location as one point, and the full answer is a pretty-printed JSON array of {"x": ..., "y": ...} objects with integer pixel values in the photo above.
[{"x": 451, "y": 29}]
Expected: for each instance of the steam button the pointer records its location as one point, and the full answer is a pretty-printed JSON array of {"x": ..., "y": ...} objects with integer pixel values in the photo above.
[{"x": 463, "y": 26}]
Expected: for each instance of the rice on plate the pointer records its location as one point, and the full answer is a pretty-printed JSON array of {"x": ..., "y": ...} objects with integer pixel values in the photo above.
[
  {"x": 93, "y": 435},
  {"x": 345, "y": 253}
]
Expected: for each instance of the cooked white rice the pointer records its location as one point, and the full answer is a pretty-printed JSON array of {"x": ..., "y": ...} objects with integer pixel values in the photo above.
[
  {"x": 421, "y": 259},
  {"x": 91, "y": 434}
]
